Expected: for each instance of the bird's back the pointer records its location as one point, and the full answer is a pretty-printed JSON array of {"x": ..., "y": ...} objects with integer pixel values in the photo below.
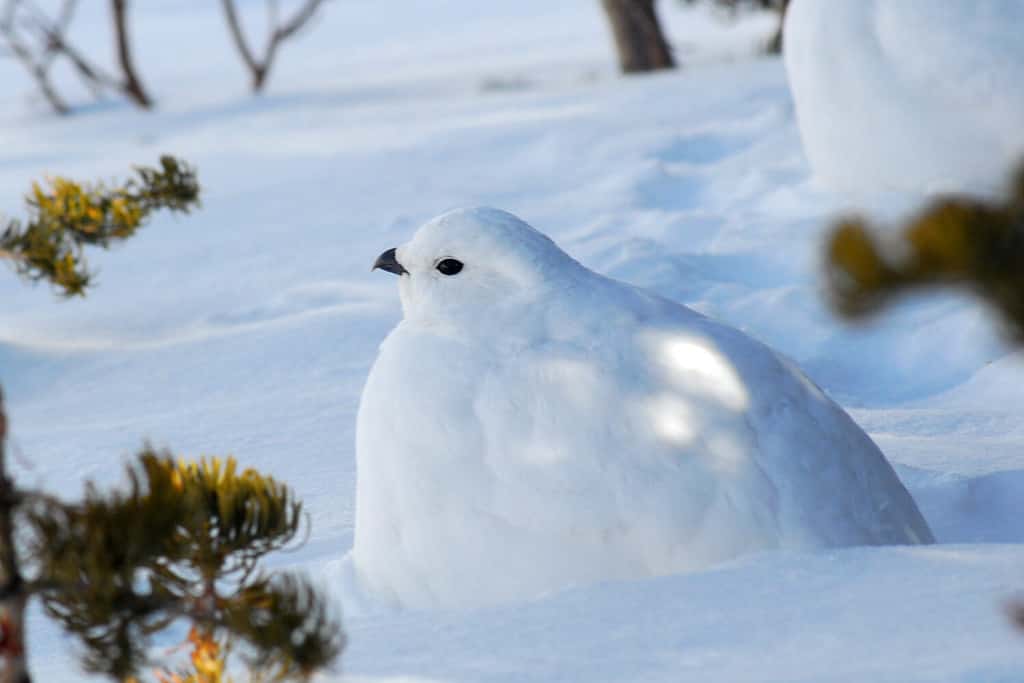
[{"x": 773, "y": 461}]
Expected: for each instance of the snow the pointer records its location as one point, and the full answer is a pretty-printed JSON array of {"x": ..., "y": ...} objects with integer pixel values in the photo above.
[
  {"x": 914, "y": 95},
  {"x": 847, "y": 615},
  {"x": 250, "y": 326},
  {"x": 530, "y": 414}
]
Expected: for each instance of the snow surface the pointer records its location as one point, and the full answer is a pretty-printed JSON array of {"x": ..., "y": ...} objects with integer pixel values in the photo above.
[
  {"x": 250, "y": 326},
  {"x": 914, "y": 95},
  {"x": 530, "y": 414}
]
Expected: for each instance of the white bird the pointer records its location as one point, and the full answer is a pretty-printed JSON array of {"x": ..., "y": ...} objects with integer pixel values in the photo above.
[
  {"x": 918, "y": 95},
  {"x": 531, "y": 424}
]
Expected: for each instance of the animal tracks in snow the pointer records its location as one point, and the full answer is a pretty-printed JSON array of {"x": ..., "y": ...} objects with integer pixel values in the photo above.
[{"x": 704, "y": 148}]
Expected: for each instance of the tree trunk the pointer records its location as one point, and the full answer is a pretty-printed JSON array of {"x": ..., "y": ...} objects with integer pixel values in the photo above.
[
  {"x": 638, "y": 37},
  {"x": 132, "y": 84},
  {"x": 774, "y": 46}
]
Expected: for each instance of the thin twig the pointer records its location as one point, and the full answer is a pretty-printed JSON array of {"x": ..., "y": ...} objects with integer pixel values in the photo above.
[
  {"x": 37, "y": 66},
  {"x": 234, "y": 25},
  {"x": 259, "y": 67},
  {"x": 26, "y": 17},
  {"x": 131, "y": 84},
  {"x": 299, "y": 19}
]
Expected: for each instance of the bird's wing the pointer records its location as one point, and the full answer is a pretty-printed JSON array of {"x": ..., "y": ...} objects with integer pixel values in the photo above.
[{"x": 784, "y": 447}]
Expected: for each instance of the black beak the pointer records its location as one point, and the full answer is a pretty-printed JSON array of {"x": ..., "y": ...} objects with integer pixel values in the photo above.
[{"x": 388, "y": 262}]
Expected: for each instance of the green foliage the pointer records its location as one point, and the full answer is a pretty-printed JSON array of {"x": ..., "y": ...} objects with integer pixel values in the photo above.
[
  {"x": 287, "y": 624},
  {"x": 70, "y": 216},
  {"x": 182, "y": 542},
  {"x": 236, "y": 516},
  {"x": 958, "y": 242},
  {"x": 89, "y": 560}
]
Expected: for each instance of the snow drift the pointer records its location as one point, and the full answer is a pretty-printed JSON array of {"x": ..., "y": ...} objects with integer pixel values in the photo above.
[{"x": 911, "y": 95}]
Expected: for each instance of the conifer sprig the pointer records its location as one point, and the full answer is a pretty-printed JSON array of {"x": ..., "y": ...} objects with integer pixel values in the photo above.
[
  {"x": 68, "y": 216},
  {"x": 287, "y": 625},
  {"x": 959, "y": 242},
  {"x": 181, "y": 542}
]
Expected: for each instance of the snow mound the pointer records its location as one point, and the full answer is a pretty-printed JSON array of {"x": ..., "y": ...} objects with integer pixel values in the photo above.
[
  {"x": 886, "y": 615},
  {"x": 913, "y": 95},
  {"x": 531, "y": 425}
]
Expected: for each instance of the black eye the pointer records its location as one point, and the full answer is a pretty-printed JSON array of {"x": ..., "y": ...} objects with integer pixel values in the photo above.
[{"x": 449, "y": 266}]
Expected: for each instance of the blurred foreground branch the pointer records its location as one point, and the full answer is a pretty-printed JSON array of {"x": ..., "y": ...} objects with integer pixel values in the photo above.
[
  {"x": 956, "y": 242},
  {"x": 182, "y": 542},
  {"x": 13, "y": 596}
]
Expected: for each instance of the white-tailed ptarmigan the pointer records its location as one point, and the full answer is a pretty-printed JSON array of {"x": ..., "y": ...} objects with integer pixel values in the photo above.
[{"x": 530, "y": 425}]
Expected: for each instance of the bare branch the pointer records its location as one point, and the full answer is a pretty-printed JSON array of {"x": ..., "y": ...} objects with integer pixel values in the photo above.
[
  {"x": 93, "y": 76},
  {"x": 131, "y": 85},
  {"x": 59, "y": 28},
  {"x": 37, "y": 66},
  {"x": 304, "y": 14},
  {"x": 37, "y": 40},
  {"x": 259, "y": 67},
  {"x": 238, "y": 35}
]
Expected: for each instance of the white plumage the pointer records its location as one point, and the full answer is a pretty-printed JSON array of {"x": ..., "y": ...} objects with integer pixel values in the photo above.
[
  {"x": 919, "y": 95},
  {"x": 531, "y": 425}
]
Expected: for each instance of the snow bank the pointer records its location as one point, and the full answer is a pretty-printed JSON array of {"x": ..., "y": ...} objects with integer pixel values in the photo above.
[
  {"x": 884, "y": 615},
  {"x": 912, "y": 95}
]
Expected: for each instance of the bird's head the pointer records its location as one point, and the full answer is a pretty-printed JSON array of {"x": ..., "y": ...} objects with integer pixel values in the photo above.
[{"x": 468, "y": 266}]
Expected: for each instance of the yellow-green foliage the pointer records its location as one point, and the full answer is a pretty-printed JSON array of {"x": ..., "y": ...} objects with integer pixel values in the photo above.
[
  {"x": 963, "y": 242},
  {"x": 67, "y": 216},
  {"x": 238, "y": 515},
  {"x": 182, "y": 542},
  {"x": 208, "y": 658}
]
